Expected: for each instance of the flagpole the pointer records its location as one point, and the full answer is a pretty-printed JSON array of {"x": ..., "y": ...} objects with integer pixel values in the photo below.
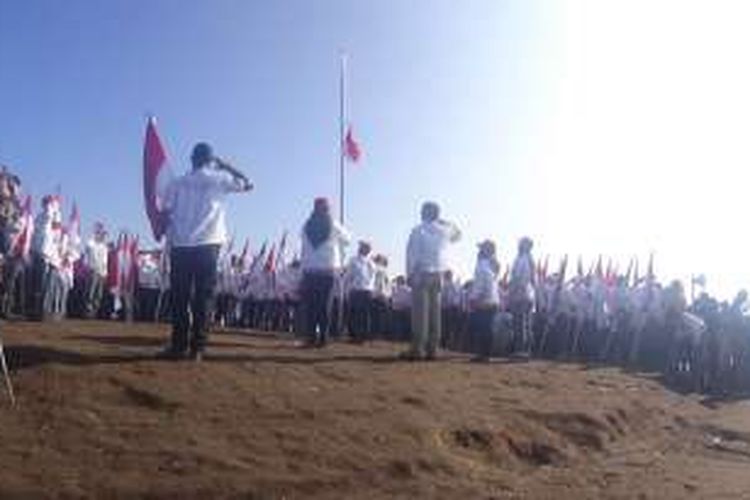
[{"x": 342, "y": 126}]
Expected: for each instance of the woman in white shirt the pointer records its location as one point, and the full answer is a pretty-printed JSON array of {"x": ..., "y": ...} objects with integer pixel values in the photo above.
[
  {"x": 484, "y": 298},
  {"x": 323, "y": 240}
]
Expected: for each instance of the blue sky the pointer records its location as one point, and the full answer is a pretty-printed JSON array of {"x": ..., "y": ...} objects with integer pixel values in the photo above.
[{"x": 539, "y": 118}]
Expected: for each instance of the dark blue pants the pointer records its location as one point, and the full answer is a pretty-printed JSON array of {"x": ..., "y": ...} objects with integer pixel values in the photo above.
[{"x": 193, "y": 278}]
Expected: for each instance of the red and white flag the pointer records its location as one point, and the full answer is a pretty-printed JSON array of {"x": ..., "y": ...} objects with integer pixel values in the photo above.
[
  {"x": 154, "y": 166},
  {"x": 21, "y": 245},
  {"x": 352, "y": 150}
]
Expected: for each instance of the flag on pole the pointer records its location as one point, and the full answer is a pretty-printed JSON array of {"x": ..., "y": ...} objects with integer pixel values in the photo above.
[
  {"x": 154, "y": 162},
  {"x": 74, "y": 226},
  {"x": 281, "y": 254},
  {"x": 245, "y": 252},
  {"x": 270, "y": 265},
  {"x": 352, "y": 150},
  {"x": 21, "y": 246}
]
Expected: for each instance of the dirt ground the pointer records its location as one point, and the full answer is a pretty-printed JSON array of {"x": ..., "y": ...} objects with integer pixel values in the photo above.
[{"x": 98, "y": 417}]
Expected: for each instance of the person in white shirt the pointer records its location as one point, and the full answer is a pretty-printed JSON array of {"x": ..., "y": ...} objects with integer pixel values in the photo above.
[
  {"x": 484, "y": 298},
  {"x": 360, "y": 283},
  {"x": 196, "y": 230},
  {"x": 323, "y": 241},
  {"x": 45, "y": 251},
  {"x": 425, "y": 265},
  {"x": 96, "y": 261},
  {"x": 381, "y": 297},
  {"x": 522, "y": 283}
]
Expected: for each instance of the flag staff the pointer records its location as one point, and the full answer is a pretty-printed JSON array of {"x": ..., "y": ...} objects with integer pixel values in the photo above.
[{"x": 342, "y": 127}]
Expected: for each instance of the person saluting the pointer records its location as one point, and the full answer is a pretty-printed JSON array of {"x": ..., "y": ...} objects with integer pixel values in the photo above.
[{"x": 195, "y": 209}]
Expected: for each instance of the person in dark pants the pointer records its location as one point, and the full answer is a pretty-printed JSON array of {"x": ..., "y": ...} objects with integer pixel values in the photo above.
[
  {"x": 485, "y": 298},
  {"x": 323, "y": 240},
  {"x": 195, "y": 211},
  {"x": 360, "y": 281}
]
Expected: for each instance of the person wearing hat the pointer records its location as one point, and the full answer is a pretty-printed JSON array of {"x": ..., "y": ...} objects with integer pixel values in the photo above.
[
  {"x": 426, "y": 261},
  {"x": 196, "y": 229},
  {"x": 323, "y": 242},
  {"x": 522, "y": 284},
  {"x": 360, "y": 283},
  {"x": 484, "y": 298},
  {"x": 95, "y": 257}
]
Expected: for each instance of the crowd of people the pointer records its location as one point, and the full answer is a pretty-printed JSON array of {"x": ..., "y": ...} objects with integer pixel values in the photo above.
[{"x": 520, "y": 310}]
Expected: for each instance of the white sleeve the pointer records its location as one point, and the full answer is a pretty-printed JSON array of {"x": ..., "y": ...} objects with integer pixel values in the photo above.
[{"x": 228, "y": 183}]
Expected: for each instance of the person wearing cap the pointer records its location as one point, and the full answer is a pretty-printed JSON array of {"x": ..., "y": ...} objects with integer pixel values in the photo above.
[
  {"x": 360, "y": 283},
  {"x": 195, "y": 209},
  {"x": 484, "y": 298},
  {"x": 522, "y": 284},
  {"x": 323, "y": 242},
  {"x": 95, "y": 257},
  {"x": 426, "y": 261}
]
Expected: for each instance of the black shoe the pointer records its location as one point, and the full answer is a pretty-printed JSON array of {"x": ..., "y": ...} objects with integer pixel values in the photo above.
[
  {"x": 410, "y": 356},
  {"x": 196, "y": 355},
  {"x": 171, "y": 354},
  {"x": 480, "y": 359}
]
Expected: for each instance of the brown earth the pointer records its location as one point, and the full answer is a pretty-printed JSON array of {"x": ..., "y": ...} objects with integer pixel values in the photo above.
[{"x": 260, "y": 418}]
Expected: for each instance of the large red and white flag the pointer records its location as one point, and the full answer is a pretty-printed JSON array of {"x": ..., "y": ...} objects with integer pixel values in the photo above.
[
  {"x": 154, "y": 167},
  {"x": 352, "y": 150}
]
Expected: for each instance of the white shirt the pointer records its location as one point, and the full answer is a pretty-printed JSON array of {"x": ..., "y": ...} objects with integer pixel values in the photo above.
[
  {"x": 360, "y": 274},
  {"x": 401, "y": 297},
  {"x": 484, "y": 288},
  {"x": 382, "y": 283},
  {"x": 96, "y": 257},
  {"x": 197, "y": 208},
  {"x": 329, "y": 254},
  {"x": 451, "y": 296},
  {"x": 426, "y": 250}
]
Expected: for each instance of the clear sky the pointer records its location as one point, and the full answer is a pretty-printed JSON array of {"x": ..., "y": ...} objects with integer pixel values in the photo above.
[{"x": 595, "y": 127}]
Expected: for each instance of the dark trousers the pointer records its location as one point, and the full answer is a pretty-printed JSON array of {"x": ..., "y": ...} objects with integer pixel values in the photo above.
[
  {"x": 316, "y": 291},
  {"x": 360, "y": 302},
  {"x": 380, "y": 318},
  {"x": 193, "y": 278},
  {"x": 482, "y": 323}
]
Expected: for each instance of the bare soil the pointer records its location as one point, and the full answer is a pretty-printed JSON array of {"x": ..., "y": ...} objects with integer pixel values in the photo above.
[{"x": 98, "y": 417}]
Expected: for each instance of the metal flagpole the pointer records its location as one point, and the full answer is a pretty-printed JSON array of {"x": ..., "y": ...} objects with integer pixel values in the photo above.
[
  {"x": 6, "y": 374},
  {"x": 342, "y": 132}
]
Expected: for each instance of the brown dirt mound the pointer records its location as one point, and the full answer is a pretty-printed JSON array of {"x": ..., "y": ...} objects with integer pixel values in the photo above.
[{"x": 97, "y": 416}]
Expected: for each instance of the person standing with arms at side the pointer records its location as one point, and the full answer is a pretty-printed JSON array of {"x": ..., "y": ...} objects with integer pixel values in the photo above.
[
  {"x": 425, "y": 265},
  {"x": 196, "y": 230},
  {"x": 96, "y": 260},
  {"x": 323, "y": 240},
  {"x": 522, "y": 285},
  {"x": 360, "y": 280},
  {"x": 484, "y": 299}
]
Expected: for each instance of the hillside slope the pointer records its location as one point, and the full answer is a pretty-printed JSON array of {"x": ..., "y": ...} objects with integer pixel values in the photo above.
[{"x": 259, "y": 418}]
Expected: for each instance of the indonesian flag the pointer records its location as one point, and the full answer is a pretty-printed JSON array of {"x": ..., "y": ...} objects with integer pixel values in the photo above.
[
  {"x": 352, "y": 151},
  {"x": 281, "y": 254},
  {"x": 270, "y": 265},
  {"x": 74, "y": 226},
  {"x": 245, "y": 252},
  {"x": 21, "y": 245},
  {"x": 154, "y": 164}
]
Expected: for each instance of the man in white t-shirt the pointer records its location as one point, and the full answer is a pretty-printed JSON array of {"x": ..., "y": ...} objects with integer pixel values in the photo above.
[
  {"x": 196, "y": 230},
  {"x": 426, "y": 261}
]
